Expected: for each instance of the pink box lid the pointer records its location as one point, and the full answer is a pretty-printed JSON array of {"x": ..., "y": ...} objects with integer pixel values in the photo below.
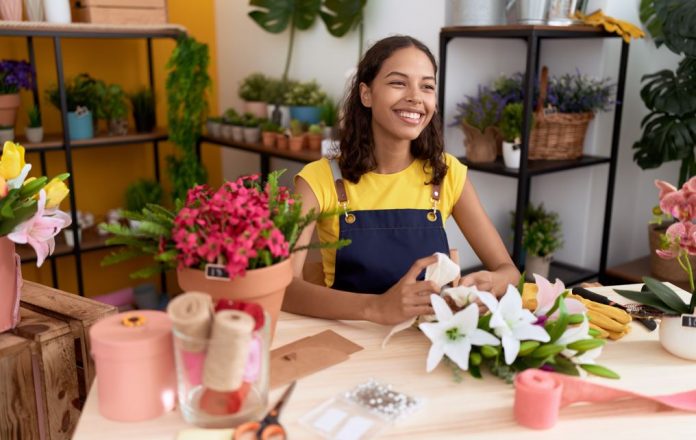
[{"x": 132, "y": 335}]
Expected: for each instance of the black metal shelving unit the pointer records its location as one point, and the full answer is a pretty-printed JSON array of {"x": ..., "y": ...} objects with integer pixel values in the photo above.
[
  {"x": 62, "y": 141},
  {"x": 533, "y": 35}
]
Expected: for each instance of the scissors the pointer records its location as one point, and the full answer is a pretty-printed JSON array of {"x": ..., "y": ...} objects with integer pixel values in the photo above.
[{"x": 269, "y": 427}]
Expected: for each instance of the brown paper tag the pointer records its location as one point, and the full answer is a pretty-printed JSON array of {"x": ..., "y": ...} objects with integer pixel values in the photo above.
[{"x": 309, "y": 355}]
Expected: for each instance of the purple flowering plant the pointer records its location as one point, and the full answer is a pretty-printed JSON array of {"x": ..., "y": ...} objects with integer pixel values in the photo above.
[
  {"x": 14, "y": 75},
  {"x": 481, "y": 111}
]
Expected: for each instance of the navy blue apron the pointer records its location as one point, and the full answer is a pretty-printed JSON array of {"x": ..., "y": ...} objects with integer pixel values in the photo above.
[{"x": 384, "y": 243}]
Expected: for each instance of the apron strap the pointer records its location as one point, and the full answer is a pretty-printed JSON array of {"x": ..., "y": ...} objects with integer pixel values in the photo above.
[{"x": 338, "y": 181}]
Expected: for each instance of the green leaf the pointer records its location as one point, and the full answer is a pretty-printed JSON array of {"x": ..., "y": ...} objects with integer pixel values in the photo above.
[
  {"x": 118, "y": 257},
  {"x": 576, "y": 318},
  {"x": 527, "y": 347},
  {"x": 585, "y": 344},
  {"x": 647, "y": 298},
  {"x": 561, "y": 324},
  {"x": 147, "y": 272},
  {"x": 475, "y": 371},
  {"x": 547, "y": 350},
  {"x": 565, "y": 366},
  {"x": 32, "y": 187},
  {"x": 340, "y": 16},
  {"x": 474, "y": 358},
  {"x": 598, "y": 370},
  {"x": 666, "y": 295},
  {"x": 489, "y": 351},
  {"x": 20, "y": 215},
  {"x": 274, "y": 16}
]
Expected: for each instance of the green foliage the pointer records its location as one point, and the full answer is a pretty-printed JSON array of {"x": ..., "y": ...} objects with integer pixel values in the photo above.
[
  {"x": 253, "y": 87},
  {"x": 541, "y": 230},
  {"x": 511, "y": 122},
  {"x": 660, "y": 296},
  {"x": 34, "y": 117},
  {"x": 114, "y": 104},
  {"x": 305, "y": 94},
  {"x": 669, "y": 130},
  {"x": 314, "y": 129},
  {"x": 20, "y": 203},
  {"x": 341, "y": 16},
  {"x": 231, "y": 117},
  {"x": 269, "y": 126},
  {"x": 141, "y": 193},
  {"x": 83, "y": 91},
  {"x": 187, "y": 85},
  {"x": 329, "y": 112},
  {"x": 143, "y": 103},
  {"x": 250, "y": 121},
  {"x": 296, "y": 128},
  {"x": 276, "y": 90}
]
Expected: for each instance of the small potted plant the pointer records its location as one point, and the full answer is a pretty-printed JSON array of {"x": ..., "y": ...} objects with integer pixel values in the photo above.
[
  {"x": 252, "y": 90},
  {"x": 14, "y": 76},
  {"x": 511, "y": 131},
  {"x": 252, "y": 132},
  {"x": 304, "y": 100},
  {"x": 329, "y": 118},
  {"x": 314, "y": 137},
  {"x": 230, "y": 119},
  {"x": 282, "y": 139},
  {"x": 139, "y": 194},
  {"x": 268, "y": 133},
  {"x": 214, "y": 126},
  {"x": 541, "y": 237},
  {"x": 274, "y": 95},
  {"x": 143, "y": 103},
  {"x": 82, "y": 102},
  {"x": 114, "y": 109},
  {"x": 84, "y": 220},
  {"x": 34, "y": 131},
  {"x": 297, "y": 135},
  {"x": 478, "y": 117},
  {"x": 678, "y": 320}
]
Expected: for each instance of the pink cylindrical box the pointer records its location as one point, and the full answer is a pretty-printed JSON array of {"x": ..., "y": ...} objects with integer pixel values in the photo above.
[{"x": 134, "y": 357}]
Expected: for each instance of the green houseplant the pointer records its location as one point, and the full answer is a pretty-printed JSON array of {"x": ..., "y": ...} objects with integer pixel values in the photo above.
[
  {"x": 328, "y": 113},
  {"x": 268, "y": 133},
  {"x": 114, "y": 107},
  {"x": 541, "y": 237},
  {"x": 511, "y": 130},
  {"x": 143, "y": 104},
  {"x": 305, "y": 100},
  {"x": 34, "y": 131},
  {"x": 252, "y": 132},
  {"x": 669, "y": 130},
  {"x": 187, "y": 86},
  {"x": 83, "y": 103},
  {"x": 253, "y": 91}
]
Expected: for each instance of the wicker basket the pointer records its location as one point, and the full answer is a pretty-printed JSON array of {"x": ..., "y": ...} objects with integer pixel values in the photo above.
[
  {"x": 481, "y": 147},
  {"x": 557, "y": 136}
]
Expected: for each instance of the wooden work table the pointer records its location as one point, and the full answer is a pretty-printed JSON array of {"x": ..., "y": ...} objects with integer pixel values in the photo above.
[{"x": 476, "y": 409}]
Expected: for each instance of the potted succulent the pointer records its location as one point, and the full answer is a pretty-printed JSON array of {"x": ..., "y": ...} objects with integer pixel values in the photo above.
[
  {"x": 6, "y": 133},
  {"x": 268, "y": 133},
  {"x": 214, "y": 126},
  {"x": 139, "y": 194},
  {"x": 82, "y": 102},
  {"x": 14, "y": 76},
  {"x": 282, "y": 139},
  {"x": 314, "y": 137},
  {"x": 114, "y": 109},
  {"x": 541, "y": 237},
  {"x": 478, "y": 116},
  {"x": 235, "y": 124},
  {"x": 253, "y": 91},
  {"x": 34, "y": 131},
  {"x": 252, "y": 132},
  {"x": 329, "y": 118},
  {"x": 230, "y": 119},
  {"x": 304, "y": 100},
  {"x": 297, "y": 135},
  {"x": 143, "y": 104},
  {"x": 511, "y": 130}
]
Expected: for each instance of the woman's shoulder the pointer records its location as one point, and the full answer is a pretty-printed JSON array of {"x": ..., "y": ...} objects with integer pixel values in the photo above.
[{"x": 317, "y": 170}]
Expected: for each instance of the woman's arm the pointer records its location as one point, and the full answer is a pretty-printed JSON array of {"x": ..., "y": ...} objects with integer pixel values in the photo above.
[
  {"x": 486, "y": 242},
  {"x": 404, "y": 300}
]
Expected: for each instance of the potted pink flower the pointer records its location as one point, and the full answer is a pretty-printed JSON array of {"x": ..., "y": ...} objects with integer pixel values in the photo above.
[
  {"x": 28, "y": 215},
  {"x": 233, "y": 242}
]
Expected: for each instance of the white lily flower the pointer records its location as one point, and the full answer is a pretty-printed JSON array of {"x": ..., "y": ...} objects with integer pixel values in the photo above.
[
  {"x": 547, "y": 294},
  {"x": 461, "y": 295},
  {"x": 512, "y": 323},
  {"x": 442, "y": 272},
  {"x": 578, "y": 333},
  {"x": 18, "y": 181},
  {"x": 454, "y": 334}
]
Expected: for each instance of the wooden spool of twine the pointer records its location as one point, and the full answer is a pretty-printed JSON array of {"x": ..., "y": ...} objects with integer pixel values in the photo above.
[
  {"x": 228, "y": 350},
  {"x": 191, "y": 314}
]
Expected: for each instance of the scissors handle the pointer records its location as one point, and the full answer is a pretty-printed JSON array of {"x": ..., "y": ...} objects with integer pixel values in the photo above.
[{"x": 250, "y": 430}]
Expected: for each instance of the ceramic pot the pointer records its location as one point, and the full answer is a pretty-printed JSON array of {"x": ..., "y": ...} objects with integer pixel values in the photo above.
[
  {"x": 252, "y": 135},
  {"x": 226, "y": 131},
  {"x": 34, "y": 134},
  {"x": 511, "y": 155},
  {"x": 11, "y": 274},
  {"x": 265, "y": 286},
  {"x": 80, "y": 125},
  {"x": 6, "y": 134},
  {"x": 34, "y": 10},
  {"x": 256, "y": 108},
  {"x": 214, "y": 128},
  {"x": 268, "y": 138},
  {"x": 9, "y": 103},
  {"x": 306, "y": 114},
  {"x": 11, "y": 10},
  {"x": 57, "y": 11},
  {"x": 678, "y": 339},
  {"x": 237, "y": 133},
  {"x": 535, "y": 264}
]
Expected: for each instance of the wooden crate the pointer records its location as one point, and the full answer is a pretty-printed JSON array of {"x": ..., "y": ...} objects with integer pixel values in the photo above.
[
  {"x": 79, "y": 314},
  {"x": 120, "y": 11},
  {"x": 18, "y": 414}
]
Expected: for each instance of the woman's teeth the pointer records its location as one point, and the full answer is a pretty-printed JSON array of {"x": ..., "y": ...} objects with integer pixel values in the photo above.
[{"x": 415, "y": 117}]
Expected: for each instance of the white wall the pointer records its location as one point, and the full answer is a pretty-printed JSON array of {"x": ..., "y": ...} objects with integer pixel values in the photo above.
[{"x": 577, "y": 195}]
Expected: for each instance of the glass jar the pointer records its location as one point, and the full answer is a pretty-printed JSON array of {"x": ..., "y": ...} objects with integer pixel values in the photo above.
[{"x": 223, "y": 381}]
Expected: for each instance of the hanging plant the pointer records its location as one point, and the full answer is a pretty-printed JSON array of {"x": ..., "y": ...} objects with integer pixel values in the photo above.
[{"x": 187, "y": 85}]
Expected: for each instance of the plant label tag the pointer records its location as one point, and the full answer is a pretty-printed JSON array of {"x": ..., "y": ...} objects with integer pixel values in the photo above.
[
  {"x": 216, "y": 272},
  {"x": 688, "y": 320}
]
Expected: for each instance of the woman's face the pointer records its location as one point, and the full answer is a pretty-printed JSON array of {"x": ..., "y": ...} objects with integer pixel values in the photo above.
[{"x": 402, "y": 95}]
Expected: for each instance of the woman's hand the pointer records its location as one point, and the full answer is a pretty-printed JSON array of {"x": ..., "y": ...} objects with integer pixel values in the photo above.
[
  {"x": 495, "y": 282},
  {"x": 405, "y": 299}
]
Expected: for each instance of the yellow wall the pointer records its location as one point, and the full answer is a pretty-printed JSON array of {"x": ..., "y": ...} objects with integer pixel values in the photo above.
[{"x": 101, "y": 175}]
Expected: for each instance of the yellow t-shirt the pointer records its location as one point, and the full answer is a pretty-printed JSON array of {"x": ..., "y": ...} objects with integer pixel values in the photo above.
[{"x": 403, "y": 190}]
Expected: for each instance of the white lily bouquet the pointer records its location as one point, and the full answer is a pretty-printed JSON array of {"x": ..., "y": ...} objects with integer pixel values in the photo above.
[{"x": 507, "y": 338}]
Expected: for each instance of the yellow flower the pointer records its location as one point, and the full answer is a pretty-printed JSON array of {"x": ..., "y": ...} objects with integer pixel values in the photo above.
[
  {"x": 12, "y": 160},
  {"x": 3, "y": 187},
  {"x": 56, "y": 191}
]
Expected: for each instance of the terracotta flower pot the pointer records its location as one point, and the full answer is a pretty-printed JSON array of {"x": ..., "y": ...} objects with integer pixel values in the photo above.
[
  {"x": 281, "y": 141},
  {"x": 269, "y": 139},
  {"x": 265, "y": 286},
  {"x": 8, "y": 109},
  {"x": 314, "y": 141},
  {"x": 297, "y": 143},
  {"x": 11, "y": 276}
]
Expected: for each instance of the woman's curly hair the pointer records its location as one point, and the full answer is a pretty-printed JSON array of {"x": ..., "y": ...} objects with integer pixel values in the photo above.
[{"x": 355, "y": 135}]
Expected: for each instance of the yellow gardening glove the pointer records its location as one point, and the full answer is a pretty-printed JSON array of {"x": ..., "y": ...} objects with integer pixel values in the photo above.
[
  {"x": 625, "y": 29},
  {"x": 529, "y": 293},
  {"x": 610, "y": 321}
]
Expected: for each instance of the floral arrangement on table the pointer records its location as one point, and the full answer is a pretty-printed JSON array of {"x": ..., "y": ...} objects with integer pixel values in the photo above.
[
  {"x": 678, "y": 242},
  {"x": 243, "y": 225},
  {"x": 506, "y": 338},
  {"x": 29, "y": 211}
]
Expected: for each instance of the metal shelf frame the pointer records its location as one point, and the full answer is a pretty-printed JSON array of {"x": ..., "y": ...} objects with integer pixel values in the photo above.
[
  {"x": 57, "y": 34},
  {"x": 533, "y": 35}
]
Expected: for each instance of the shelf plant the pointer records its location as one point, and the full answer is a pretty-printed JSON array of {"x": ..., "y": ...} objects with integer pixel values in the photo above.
[
  {"x": 14, "y": 76},
  {"x": 143, "y": 104},
  {"x": 541, "y": 237},
  {"x": 114, "y": 108},
  {"x": 34, "y": 131}
]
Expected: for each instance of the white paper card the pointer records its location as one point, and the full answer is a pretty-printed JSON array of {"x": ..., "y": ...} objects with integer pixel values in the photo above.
[
  {"x": 354, "y": 429},
  {"x": 329, "y": 419}
]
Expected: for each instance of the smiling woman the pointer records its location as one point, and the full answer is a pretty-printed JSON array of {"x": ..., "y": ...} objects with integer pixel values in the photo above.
[{"x": 395, "y": 187}]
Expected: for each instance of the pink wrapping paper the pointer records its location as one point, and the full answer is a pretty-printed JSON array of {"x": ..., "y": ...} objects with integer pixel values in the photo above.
[
  {"x": 10, "y": 285},
  {"x": 539, "y": 396}
]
